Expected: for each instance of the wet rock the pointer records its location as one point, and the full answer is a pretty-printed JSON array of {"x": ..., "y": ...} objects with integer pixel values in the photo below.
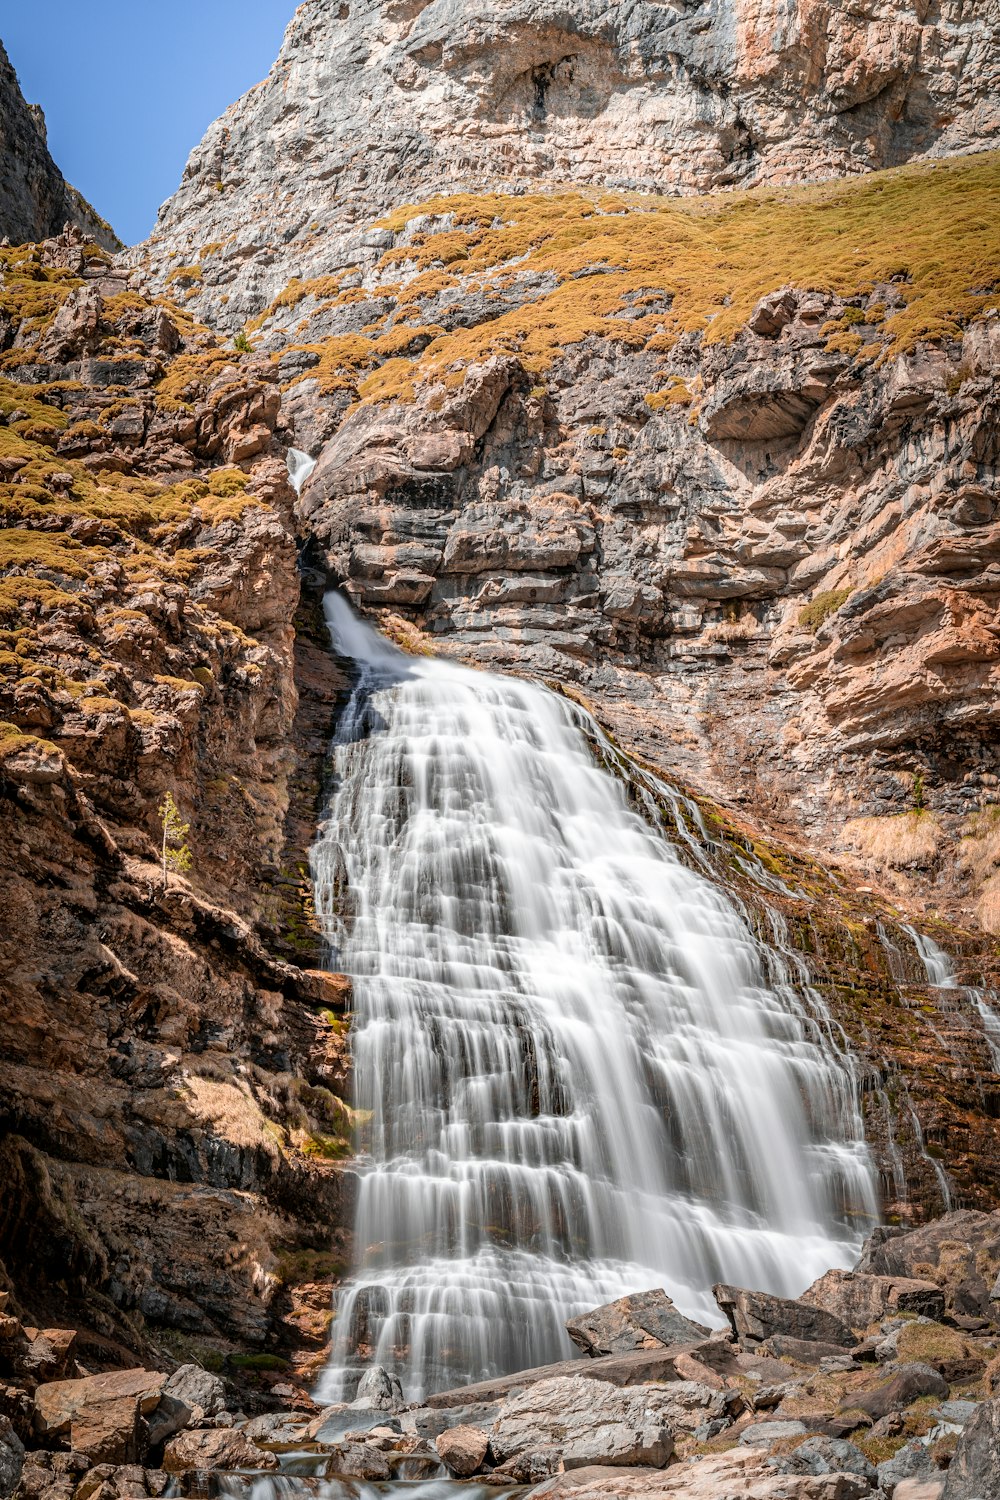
[
  {"x": 214, "y": 1448},
  {"x": 380, "y": 1390},
  {"x": 644, "y": 1320},
  {"x": 756, "y": 1316},
  {"x": 463, "y": 1449},
  {"x": 585, "y": 1422},
  {"x": 358, "y": 1461},
  {"x": 859, "y": 1300},
  {"x": 974, "y": 1471}
]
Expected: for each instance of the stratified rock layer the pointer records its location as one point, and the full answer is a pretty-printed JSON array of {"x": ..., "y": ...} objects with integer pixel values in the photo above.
[{"x": 387, "y": 101}]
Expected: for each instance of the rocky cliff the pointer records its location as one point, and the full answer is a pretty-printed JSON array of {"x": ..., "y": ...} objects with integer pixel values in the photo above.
[
  {"x": 384, "y": 101},
  {"x": 35, "y": 201},
  {"x": 723, "y": 465},
  {"x": 169, "y": 1106}
]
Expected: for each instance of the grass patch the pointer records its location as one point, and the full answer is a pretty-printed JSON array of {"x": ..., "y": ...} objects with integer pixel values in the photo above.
[
  {"x": 819, "y": 609},
  {"x": 912, "y": 838}
]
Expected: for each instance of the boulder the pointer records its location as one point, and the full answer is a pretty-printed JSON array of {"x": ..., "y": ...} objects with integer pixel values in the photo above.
[
  {"x": 358, "y": 1461},
  {"x": 379, "y": 1389},
  {"x": 61, "y": 1402},
  {"x": 756, "y": 1316},
  {"x": 911, "y": 1462},
  {"x": 974, "y": 1472},
  {"x": 644, "y": 1320},
  {"x": 825, "y": 1455},
  {"x": 109, "y": 1432},
  {"x": 463, "y": 1449},
  {"x": 11, "y": 1459},
  {"x": 960, "y": 1252},
  {"x": 859, "y": 1299},
  {"x": 214, "y": 1448},
  {"x": 908, "y": 1384},
  {"x": 763, "y": 1434},
  {"x": 197, "y": 1387},
  {"x": 586, "y": 1422}
]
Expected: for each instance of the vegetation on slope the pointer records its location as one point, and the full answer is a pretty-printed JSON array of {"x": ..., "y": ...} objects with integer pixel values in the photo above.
[{"x": 644, "y": 271}]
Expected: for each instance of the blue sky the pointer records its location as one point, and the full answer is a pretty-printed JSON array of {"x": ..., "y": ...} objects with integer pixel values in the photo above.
[{"x": 129, "y": 87}]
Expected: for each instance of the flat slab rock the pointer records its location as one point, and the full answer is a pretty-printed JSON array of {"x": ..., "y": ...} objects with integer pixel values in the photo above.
[
  {"x": 622, "y": 1370},
  {"x": 584, "y": 1422},
  {"x": 742, "y": 1474}
]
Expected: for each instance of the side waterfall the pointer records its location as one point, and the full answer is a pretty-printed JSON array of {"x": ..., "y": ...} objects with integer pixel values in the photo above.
[{"x": 575, "y": 1078}]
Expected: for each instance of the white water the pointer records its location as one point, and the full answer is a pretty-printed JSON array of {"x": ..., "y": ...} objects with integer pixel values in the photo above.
[
  {"x": 300, "y": 466},
  {"x": 579, "y": 1081},
  {"x": 941, "y": 973}
]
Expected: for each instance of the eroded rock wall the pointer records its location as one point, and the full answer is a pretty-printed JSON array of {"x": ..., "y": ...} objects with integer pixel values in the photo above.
[
  {"x": 171, "y": 1131},
  {"x": 387, "y": 101}
]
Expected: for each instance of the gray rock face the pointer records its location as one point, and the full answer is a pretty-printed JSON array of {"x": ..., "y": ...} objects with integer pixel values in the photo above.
[
  {"x": 641, "y": 1321},
  {"x": 380, "y": 1389},
  {"x": 581, "y": 1422},
  {"x": 198, "y": 1388},
  {"x": 11, "y": 1458},
  {"x": 395, "y": 100},
  {"x": 974, "y": 1473},
  {"x": 35, "y": 201},
  {"x": 966, "y": 1243},
  {"x": 756, "y": 1316}
]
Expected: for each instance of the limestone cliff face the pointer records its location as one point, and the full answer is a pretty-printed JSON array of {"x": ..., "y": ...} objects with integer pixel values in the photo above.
[
  {"x": 35, "y": 201},
  {"x": 384, "y": 101}
]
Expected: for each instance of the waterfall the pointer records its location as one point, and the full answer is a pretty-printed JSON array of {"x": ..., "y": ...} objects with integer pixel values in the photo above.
[{"x": 577, "y": 1073}]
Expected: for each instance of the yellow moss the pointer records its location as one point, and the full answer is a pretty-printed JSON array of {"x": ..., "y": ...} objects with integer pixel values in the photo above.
[
  {"x": 821, "y": 607},
  {"x": 929, "y": 228}
]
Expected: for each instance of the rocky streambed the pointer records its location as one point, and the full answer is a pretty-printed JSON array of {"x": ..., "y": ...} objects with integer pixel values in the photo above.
[{"x": 881, "y": 1381}]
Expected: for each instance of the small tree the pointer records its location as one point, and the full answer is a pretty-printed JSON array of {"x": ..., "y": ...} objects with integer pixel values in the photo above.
[{"x": 176, "y": 854}]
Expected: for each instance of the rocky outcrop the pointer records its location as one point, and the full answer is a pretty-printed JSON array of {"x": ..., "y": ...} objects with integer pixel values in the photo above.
[
  {"x": 35, "y": 201},
  {"x": 384, "y": 102},
  {"x": 169, "y": 1140}
]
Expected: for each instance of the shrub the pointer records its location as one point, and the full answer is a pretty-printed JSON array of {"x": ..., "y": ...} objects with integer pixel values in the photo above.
[{"x": 813, "y": 614}]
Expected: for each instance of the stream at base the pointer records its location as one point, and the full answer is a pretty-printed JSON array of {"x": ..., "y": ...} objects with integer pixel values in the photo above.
[{"x": 578, "y": 1072}]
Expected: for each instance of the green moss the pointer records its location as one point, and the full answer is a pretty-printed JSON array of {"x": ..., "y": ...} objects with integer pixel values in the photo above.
[{"x": 257, "y": 1362}]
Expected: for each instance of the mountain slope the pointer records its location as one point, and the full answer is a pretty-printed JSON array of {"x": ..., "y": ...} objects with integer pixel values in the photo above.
[
  {"x": 35, "y": 201},
  {"x": 392, "y": 100}
]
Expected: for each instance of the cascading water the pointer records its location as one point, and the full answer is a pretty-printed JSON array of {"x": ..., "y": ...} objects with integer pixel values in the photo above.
[{"x": 576, "y": 1080}]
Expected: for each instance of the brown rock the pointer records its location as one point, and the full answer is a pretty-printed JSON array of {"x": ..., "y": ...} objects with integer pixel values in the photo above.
[
  {"x": 859, "y": 1300},
  {"x": 108, "y": 1431},
  {"x": 58, "y": 1404},
  {"x": 463, "y": 1449},
  {"x": 214, "y": 1448},
  {"x": 644, "y": 1320}
]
